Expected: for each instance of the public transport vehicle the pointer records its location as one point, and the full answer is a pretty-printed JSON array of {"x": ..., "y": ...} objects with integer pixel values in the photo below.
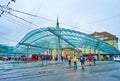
[
  {"x": 49, "y": 57},
  {"x": 46, "y": 57},
  {"x": 23, "y": 57},
  {"x": 33, "y": 57}
]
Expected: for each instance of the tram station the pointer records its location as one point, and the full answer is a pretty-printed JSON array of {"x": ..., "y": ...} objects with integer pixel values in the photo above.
[
  {"x": 57, "y": 42},
  {"x": 34, "y": 46}
]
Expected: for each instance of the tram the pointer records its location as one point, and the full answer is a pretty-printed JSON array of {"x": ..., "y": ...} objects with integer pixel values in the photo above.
[{"x": 33, "y": 57}]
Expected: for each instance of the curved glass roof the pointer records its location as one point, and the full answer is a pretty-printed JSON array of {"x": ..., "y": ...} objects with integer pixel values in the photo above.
[{"x": 44, "y": 39}]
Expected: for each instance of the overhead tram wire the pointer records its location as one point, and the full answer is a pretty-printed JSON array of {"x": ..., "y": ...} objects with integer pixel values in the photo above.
[
  {"x": 62, "y": 23},
  {"x": 14, "y": 22},
  {"x": 97, "y": 21},
  {"x": 20, "y": 24},
  {"x": 43, "y": 18},
  {"x": 6, "y": 38},
  {"x": 6, "y": 6},
  {"x": 78, "y": 27},
  {"x": 18, "y": 21},
  {"x": 40, "y": 6},
  {"x": 31, "y": 15},
  {"x": 18, "y": 17},
  {"x": 4, "y": 33},
  {"x": 9, "y": 39},
  {"x": 24, "y": 20},
  {"x": 101, "y": 20},
  {"x": 7, "y": 34}
]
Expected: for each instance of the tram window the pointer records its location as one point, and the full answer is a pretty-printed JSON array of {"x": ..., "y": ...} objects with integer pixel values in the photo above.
[{"x": 33, "y": 56}]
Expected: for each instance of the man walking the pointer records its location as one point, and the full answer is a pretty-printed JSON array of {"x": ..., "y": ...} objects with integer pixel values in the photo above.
[{"x": 82, "y": 60}]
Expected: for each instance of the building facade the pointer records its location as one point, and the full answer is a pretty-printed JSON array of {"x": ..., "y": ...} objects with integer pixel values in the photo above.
[{"x": 107, "y": 37}]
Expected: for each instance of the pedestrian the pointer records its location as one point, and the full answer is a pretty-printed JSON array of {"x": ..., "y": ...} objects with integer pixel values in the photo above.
[
  {"x": 94, "y": 60},
  {"x": 75, "y": 62},
  {"x": 69, "y": 60},
  {"x": 43, "y": 59},
  {"x": 56, "y": 58},
  {"x": 82, "y": 60},
  {"x": 62, "y": 58},
  {"x": 90, "y": 59}
]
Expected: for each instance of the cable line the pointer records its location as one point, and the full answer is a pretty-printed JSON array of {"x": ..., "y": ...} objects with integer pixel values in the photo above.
[
  {"x": 16, "y": 21},
  {"x": 23, "y": 19},
  {"x": 12, "y": 21},
  {"x": 9, "y": 39},
  {"x": 19, "y": 17},
  {"x": 6, "y": 6},
  {"x": 97, "y": 21},
  {"x": 40, "y": 6},
  {"x": 40, "y": 18}
]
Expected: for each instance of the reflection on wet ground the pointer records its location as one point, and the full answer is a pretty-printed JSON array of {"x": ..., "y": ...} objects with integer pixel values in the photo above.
[{"x": 34, "y": 71}]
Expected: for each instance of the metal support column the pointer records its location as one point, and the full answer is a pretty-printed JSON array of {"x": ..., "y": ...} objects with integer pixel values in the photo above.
[
  {"x": 57, "y": 26},
  {"x": 58, "y": 49},
  {"x": 74, "y": 52},
  {"x": 50, "y": 52},
  {"x": 99, "y": 56},
  {"x": 27, "y": 53}
]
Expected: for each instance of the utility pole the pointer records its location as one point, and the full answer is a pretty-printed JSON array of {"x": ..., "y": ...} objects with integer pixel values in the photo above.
[{"x": 7, "y": 6}]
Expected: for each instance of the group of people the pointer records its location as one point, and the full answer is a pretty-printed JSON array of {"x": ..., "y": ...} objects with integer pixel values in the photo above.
[
  {"x": 75, "y": 59},
  {"x": 82, "y": 60}
]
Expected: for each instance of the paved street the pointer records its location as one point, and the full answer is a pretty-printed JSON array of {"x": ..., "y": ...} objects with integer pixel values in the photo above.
[{"x": 33, "y": 71}]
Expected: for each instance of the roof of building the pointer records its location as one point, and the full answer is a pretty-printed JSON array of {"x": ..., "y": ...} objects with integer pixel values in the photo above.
[
  {"x": 43, "y": 39},
  {"x": 109, "y": 35}
]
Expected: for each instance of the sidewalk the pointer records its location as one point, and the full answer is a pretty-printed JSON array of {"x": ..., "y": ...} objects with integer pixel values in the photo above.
[{"x": 103, "y": 71}]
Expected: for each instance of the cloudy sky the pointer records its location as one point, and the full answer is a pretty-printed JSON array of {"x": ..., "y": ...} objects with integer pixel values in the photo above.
[{"x": 86, "y": 16}]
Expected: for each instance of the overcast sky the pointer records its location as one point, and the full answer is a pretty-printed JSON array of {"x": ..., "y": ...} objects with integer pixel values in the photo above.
[{"x": 86, "y": 16}]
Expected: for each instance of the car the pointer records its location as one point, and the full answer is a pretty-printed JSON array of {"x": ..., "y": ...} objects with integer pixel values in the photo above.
[{"x": 116, "y": 58}]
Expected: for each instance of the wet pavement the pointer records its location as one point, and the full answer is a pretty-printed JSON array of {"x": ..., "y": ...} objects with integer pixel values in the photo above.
[{"x": 34, "y": 71}]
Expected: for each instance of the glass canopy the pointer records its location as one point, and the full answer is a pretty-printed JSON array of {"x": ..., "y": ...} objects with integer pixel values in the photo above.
[{"x": 44, "y": 39}]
